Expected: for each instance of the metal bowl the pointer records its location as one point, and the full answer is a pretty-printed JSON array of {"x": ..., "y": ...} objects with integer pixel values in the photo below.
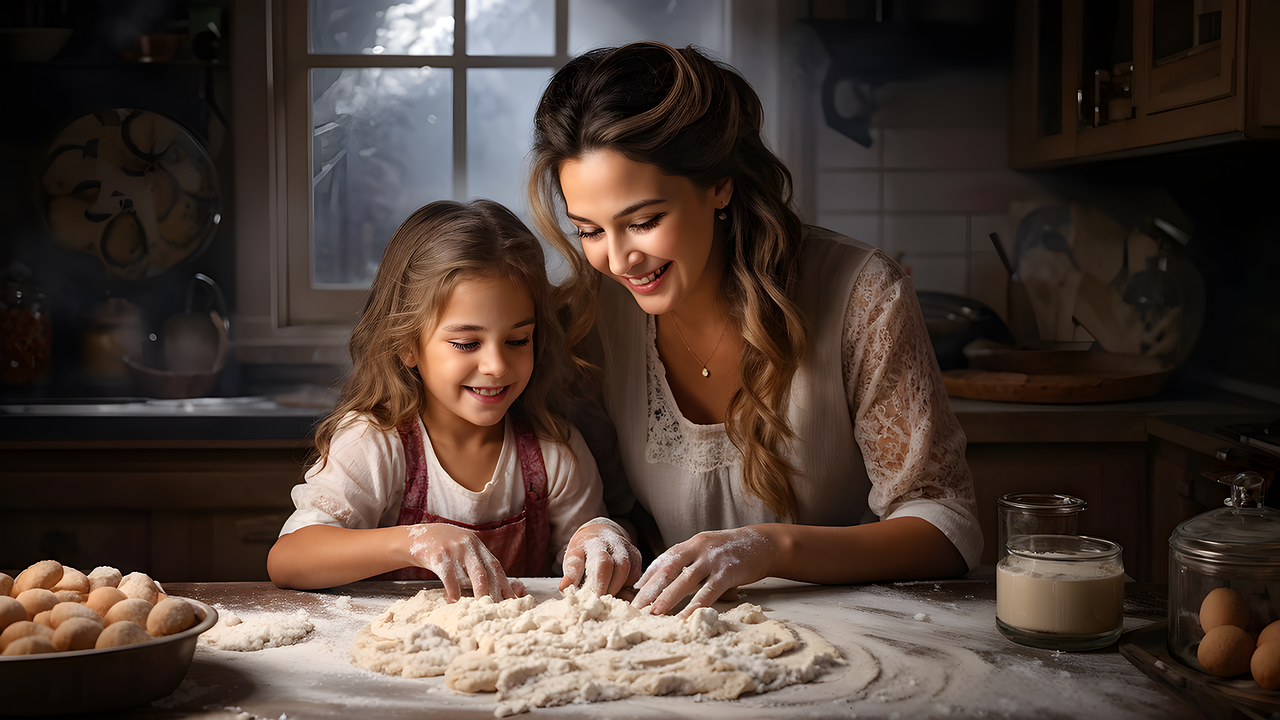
[{"x": 100, "y": 681}]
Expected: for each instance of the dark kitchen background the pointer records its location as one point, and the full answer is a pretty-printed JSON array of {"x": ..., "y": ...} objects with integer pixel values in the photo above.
[{"x": 920, "y": 127}]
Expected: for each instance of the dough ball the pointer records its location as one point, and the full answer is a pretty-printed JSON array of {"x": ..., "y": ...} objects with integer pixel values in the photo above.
[
  {"x": 101, "y": 600},
  {"x": 122, "y": 633},
  {"x": 103, "y": 576},
  {"x": 21, "y": 629},
  {"x": 45, "y": 618},
  {"x": 1270, "y": 633},
  {"x": 76, "y": 633},
  {"x": 37, "y": 600},
  {"x": 133, "y": 610},
  {"x": 1223, "y": 606},
  {"x": 1265, "y": 665},
  {"x": 6, "y": 585},
  {"x": 11, "y": 611},
  {"x": 72, "y": 579},
  {"x": 169, "y": 616},
  {"x": 44, "y": 574},
  {"x": 29, "y": 646},
  {"x": 63, "y": 612},
  {"x": 140, "y": 585},
  {"x": 1225, "y": 651},
  {"x": 74, "y": 596}
]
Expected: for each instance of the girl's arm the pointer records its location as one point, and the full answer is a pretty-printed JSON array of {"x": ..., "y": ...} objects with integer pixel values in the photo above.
[{"x": 321, "y": 556}]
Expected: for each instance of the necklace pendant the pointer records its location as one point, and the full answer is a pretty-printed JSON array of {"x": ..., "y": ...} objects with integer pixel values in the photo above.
[{"x": 705, "y": 372}]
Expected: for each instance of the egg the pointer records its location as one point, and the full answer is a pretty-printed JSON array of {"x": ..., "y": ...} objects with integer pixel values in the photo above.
[
  {"x": 1225, "y": 651},
  {"x": 1223, "y": 606},
  {"x": 1265, "y": 665},
  {"x": 1270, "y": 633}
]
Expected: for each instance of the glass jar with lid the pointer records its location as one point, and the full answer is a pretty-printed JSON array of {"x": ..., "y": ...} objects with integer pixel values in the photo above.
[{"x": 1236, "y": 547}]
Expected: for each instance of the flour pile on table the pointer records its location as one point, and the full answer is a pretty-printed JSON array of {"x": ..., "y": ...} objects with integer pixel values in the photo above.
[
  {"x": 266, "y": 631},
  {"x": 585, "y": 648}
]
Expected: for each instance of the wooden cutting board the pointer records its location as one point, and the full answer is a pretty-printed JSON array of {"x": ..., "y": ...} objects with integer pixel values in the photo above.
[{"x": 1058, "y": 377}]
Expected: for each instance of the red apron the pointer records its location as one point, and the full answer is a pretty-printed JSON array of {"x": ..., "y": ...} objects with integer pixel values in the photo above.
[{"x": 518, "y": 542}]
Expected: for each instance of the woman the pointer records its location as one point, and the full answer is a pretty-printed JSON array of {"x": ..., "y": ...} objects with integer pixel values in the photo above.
[{"x": 769, "y": 385}]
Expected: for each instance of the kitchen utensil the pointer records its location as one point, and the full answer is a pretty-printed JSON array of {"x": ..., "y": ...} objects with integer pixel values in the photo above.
[
  {"x": 132, "y": 188},
  {"x": 954, "y": 321},
  {"x": 1060, "y": 592},
  {"x": 100, "y": 681},
  {"x": 1029, "y": 513},
  {"x": 1235, "y": 547},
  {"x": 192, "y": 349}
]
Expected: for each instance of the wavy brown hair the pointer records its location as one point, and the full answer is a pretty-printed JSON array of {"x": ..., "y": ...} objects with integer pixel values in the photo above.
[
  {"x": 439, "y": 245},
  {"x": 695, "y": 118}
]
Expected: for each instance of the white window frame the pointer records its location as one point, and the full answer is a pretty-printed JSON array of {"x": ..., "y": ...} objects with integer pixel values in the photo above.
[{"x": 281, "y": 318}]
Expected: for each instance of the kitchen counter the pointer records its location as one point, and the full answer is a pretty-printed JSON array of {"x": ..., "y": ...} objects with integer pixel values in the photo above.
[{"x": 935, "y": 646}]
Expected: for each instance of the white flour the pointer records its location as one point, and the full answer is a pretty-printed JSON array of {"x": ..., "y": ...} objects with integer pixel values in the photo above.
[
  {"x": 585, "y": 648},
  {"x": 266, "y": 630}
]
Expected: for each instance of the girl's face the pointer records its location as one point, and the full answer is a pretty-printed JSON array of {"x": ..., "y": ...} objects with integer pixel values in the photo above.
[
  {"x": 651, "y": 232},
  {"x": 478, "y": 357}
]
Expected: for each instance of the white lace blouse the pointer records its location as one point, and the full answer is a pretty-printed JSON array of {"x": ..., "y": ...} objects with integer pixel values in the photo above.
[{"x": 867, "y": 338}]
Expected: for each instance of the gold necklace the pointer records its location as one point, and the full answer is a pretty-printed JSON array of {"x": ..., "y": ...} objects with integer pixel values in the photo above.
[{"x": 705, "y": 372}]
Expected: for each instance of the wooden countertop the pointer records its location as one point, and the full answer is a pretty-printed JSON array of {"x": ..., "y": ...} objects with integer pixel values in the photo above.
[{"x": 936, "y": 645}]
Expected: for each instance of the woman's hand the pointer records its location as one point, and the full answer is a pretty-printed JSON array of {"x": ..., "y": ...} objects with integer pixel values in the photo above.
[
  {"x": 460, "y": 560},
  {"x": 718, "y": 560},
  {"x": 601, "y": 550}
]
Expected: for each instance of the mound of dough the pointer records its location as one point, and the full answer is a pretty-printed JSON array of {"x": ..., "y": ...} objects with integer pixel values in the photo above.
[
  {"x": 267, "y": 631},
  {"x": 584, "y": 648}
]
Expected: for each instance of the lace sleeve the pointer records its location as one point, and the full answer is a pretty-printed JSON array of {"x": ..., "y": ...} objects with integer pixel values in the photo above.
[{"x": 911, "y": 441}]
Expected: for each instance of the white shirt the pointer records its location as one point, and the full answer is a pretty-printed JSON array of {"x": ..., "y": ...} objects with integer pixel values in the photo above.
[{"x": 362, "y": 484}]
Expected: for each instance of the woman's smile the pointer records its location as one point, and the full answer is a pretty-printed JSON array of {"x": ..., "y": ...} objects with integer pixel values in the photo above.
[{"x": 650, "y": 282}]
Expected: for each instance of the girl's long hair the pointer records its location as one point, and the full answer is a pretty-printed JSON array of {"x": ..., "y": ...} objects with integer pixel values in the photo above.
[
  {"x": 692, "y": 117},
  {"x": 436, "y": 247}
]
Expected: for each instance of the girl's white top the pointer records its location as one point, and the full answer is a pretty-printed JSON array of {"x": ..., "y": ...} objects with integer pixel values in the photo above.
[
  {"x": 362, "y": 484},
  {"x": 875, "y": 433}
]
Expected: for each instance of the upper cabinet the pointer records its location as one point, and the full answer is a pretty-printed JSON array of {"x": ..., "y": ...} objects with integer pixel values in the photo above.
[{"x": 1092, "y": 78}]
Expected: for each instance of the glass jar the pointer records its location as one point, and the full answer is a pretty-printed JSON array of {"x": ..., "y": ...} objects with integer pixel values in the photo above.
[
  {"x": 26, "y": 336},
  {"x": 1060, "y": 592},
  {"x": 1235, "y": 547},
  {"x": 1028, "y": 513}
]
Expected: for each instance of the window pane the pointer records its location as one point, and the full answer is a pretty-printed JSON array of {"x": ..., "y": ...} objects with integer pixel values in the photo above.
[
  {"x": 604, "y": 23},
  {"x": 382, "y": 147},
  {"x": 511, "y": 27},
  {"x": 500, "y": 105},
  {"x": 381, "y": 27}
]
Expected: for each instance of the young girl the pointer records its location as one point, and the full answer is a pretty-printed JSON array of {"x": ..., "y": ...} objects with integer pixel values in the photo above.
[{"x": 446, "y": 454}]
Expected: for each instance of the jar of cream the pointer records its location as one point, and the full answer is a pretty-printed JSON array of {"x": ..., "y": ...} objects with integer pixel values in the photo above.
[{"x": 1060, "y": 592}]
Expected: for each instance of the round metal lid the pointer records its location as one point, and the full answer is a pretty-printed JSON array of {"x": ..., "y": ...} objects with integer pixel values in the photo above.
[{"x": 1043, "y": 503}]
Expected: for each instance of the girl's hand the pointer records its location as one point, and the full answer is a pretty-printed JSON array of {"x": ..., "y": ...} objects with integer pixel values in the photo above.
[
  {"x": 460, "y": 560},
  {"x": 601, "y": 549},
  {"x": 718, "y": 560}
]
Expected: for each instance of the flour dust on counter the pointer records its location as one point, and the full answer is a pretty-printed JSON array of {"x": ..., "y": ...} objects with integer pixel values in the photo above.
[{"x": 583, "y": 648}]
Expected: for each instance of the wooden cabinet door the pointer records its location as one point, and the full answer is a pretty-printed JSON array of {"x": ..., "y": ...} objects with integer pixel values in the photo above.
[{"x": 1187, "y": 51}]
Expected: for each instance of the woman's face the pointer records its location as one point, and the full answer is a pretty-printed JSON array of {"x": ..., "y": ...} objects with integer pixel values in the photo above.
[{"x": 652, "y": 233}]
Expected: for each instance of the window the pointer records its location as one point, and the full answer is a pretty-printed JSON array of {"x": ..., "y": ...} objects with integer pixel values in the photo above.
[{"x": 376, "y": 107}]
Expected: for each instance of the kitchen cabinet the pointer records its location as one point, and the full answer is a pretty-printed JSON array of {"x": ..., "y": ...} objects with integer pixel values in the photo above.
[
  {"x": 1095, "y": 79},
  {"x": 177, "y": 511}
]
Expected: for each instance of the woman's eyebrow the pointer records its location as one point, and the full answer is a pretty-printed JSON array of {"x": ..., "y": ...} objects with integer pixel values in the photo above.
[
  {"x": 625, "y": 211},
  {"x": 481, "y": 328}
]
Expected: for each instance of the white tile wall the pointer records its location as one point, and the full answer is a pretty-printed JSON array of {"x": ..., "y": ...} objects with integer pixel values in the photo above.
[
  {"x": 864, "y": 226},
  {"x": 845, "y": 190},
  {"x": 925, "y": 234}
]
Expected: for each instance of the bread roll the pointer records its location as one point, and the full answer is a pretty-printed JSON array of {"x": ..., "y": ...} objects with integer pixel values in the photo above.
[
  {"x": 63, "y": 612},
  {"x": 103, "y": 576},
  {"x": 76, "y": 633},
  {"x": 30, "y": 645},
  {"x": 21, "y": 629},
  {"x": 140, "y": 585},
  {"x": 101, "y": 599},
  {"x": 6, "y": 585},
  {"x": 44, "y": 574},
  {"x": 74, "y": 596},
  {"x": 37, "y": 600},
  {"x": 125, "y": 632},
  {"x": 72, "y": 579},
  {"x": 170, "y": 616},
  {"x": 44, "y": 618},
  {"x": 11, "y": 611},
  {"x": 133, "y": 610}
]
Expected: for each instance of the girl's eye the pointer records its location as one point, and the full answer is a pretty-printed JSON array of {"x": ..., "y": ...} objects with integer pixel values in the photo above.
[
  {"x": 649, "y": 224},
  {"x": 587, "y": 234},
  {"x": 465, "y": 347},
  {"x": 518, "y": 343}
]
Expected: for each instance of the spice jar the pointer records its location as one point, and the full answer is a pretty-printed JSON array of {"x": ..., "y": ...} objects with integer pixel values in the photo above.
[
  {"x": 26, "y": 336},
  {"x": 1060, "y": 592},
  {"x": 1236, "y": 547}
]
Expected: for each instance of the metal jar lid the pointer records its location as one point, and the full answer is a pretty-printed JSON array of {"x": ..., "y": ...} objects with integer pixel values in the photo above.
[
  {"x": 1244, "y": 533},
  {"x": 1031, "y": 503}
]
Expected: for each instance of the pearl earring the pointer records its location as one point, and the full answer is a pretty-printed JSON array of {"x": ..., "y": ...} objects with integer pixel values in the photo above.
[{"x": 722, "y": 215}]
